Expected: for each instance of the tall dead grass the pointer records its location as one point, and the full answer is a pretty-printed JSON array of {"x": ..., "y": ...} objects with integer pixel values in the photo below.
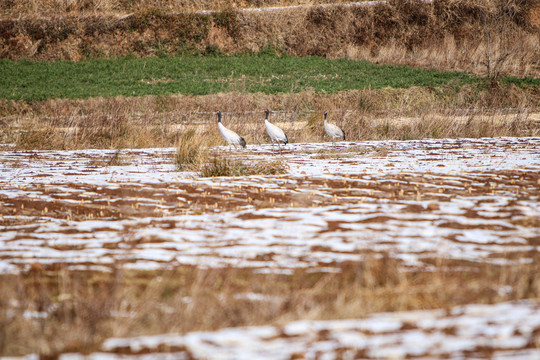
[
  {"x": 488, "y": 37},
  {"x": 96, "y": 123},
  {"x": 26, "y": 8},
  {"x": 369, "y": 114},
  {"x": 52, "y": 310},
  {"x": 192, "y": 150}
]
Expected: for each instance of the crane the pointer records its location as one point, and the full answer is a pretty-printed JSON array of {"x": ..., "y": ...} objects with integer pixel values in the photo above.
[
  {"x": 275, "y": 133},
  {"x": 230, "y": 136},
  {"x": 333, "y": 130}
]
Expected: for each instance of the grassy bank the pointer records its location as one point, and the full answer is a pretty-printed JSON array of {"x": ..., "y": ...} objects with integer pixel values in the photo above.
[{"x": 192, "y": 75}]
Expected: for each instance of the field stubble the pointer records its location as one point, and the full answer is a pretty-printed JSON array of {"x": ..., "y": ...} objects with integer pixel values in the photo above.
[{"x": 51, "y": 312}]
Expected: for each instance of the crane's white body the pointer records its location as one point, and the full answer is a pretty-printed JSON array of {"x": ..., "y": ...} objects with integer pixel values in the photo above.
[
  {"x": 276, "y": 134},
  {"x": 333, "y": 130},
  {"x": 230, "y": 136}
]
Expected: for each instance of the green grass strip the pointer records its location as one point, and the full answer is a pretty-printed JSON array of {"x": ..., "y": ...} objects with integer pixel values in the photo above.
[
  {"x": 523, "y": 82},
  {"x": 207, "y": 75}
]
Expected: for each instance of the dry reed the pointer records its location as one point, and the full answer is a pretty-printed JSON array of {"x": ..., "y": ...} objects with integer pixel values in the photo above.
[{"x": 367, "y": 114}]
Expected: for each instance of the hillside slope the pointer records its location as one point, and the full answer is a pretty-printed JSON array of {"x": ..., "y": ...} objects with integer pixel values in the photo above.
[{"x": 485, "y": 38}]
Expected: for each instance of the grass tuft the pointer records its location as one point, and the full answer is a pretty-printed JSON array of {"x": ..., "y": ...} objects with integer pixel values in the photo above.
[
  {"x": 226, "y": 166},
  {"x": 117, "y": 159},
  {"x": 190, "y": 154},
  {"x": 314, "y": 124}
]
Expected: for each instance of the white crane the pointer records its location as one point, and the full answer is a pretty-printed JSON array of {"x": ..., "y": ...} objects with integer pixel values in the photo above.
[
  {"x": 275, "y": 133},
  {"x": 230, "y": 136},
  {"x": 333, "y": 130}
]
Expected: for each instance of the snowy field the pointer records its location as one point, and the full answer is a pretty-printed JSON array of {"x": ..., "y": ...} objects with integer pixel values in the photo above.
[
  {"x": 465, "y": 200},
  {"x": 503, "y": 331}
]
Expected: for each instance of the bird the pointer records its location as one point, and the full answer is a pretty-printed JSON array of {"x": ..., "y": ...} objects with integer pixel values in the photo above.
[
  {"x": 333, "y": 130},
  {"x": 230, "y": 136},
  {"x": 275, "y": 133}
]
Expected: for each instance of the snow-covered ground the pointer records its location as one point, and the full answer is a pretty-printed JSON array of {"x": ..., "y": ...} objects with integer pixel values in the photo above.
[
  {"x": 501, "y": 331},
  {"x": 465, "y": 200}
]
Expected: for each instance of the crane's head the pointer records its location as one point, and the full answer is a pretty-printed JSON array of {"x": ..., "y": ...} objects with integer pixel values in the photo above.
[
  {"x": 267, "y": 112},
  {"x": 325, "y": 113},
  {"x": 218, "y": 116}
]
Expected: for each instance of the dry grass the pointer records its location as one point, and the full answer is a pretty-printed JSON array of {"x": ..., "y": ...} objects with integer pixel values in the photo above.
[
  {"x": 487, "y": 37},
  {"x": 56, "y": 310},
  {"x": 413, "y": 113},
  {"x": 225, "y": 166},
  {"x": 191, "y": 150},
  {"x": 98, "y": 123},
  {"x": 194, "y": 154},
  {"x": 25, "y": 8}
]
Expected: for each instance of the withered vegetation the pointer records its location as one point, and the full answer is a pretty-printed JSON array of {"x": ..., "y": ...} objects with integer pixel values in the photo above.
[
  {"x": 53, "y": 310},
  {"x": 189, "y": 121},
  {"x": 194, "y": 154},
  {"x": 223, "y": 166},
  {"x": 24, "y": 8}
]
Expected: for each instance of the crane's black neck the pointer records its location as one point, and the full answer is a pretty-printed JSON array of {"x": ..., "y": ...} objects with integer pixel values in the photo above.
[
  {"x": 219, "y": 116},
  {"x": 324, "y": 116},
  {"x": 267, "y": 112}
]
